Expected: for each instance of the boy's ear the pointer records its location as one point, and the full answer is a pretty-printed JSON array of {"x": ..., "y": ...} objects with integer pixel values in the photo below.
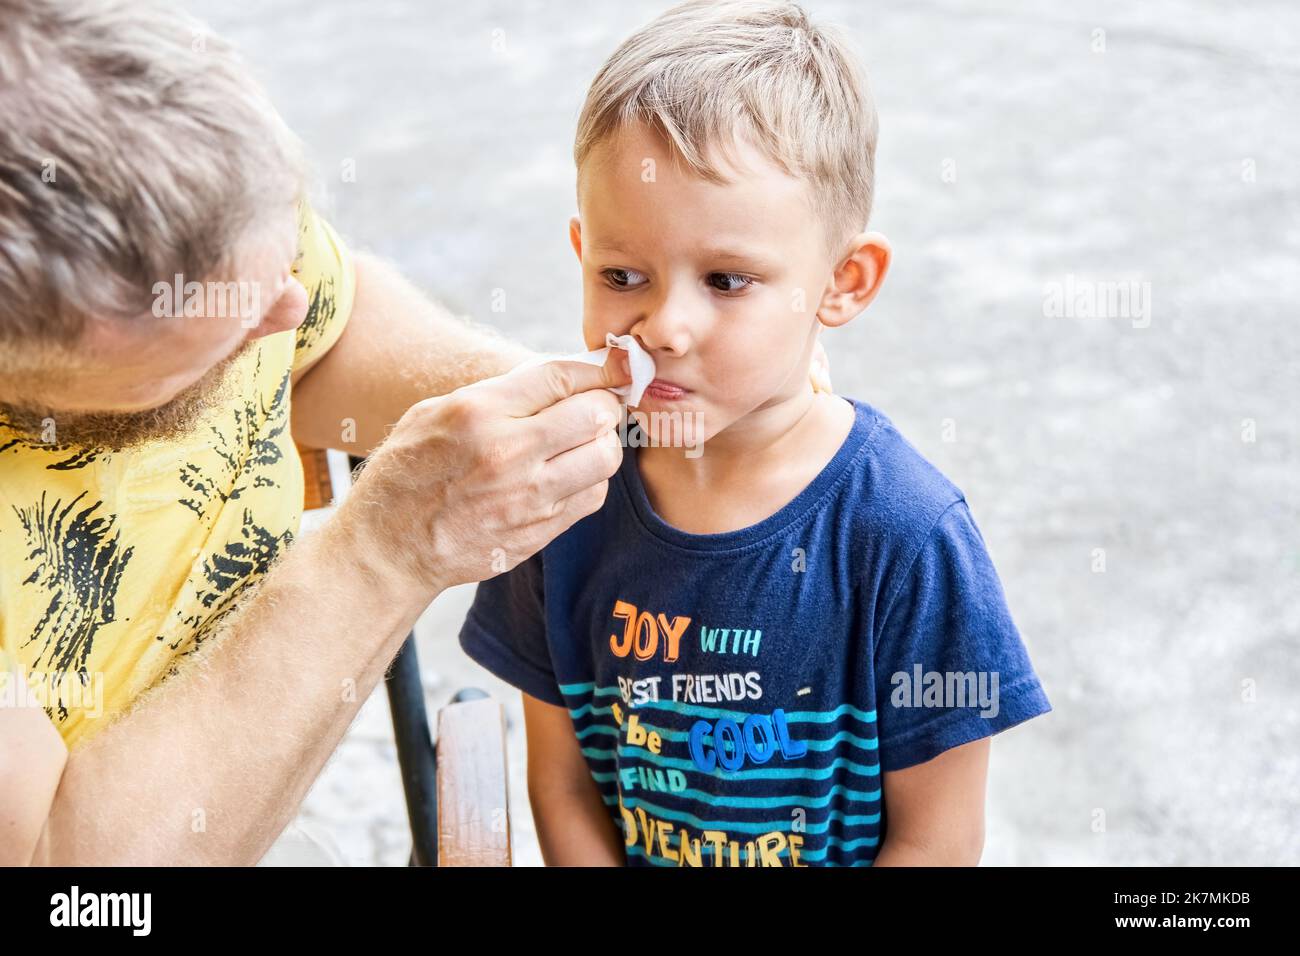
[
  {"x": 575, "y": 236},
  {"x": 857, "y": 279}
]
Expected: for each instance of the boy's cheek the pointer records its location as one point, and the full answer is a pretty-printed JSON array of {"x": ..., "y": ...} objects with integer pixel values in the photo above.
[
  {"x": 778, "y": 324},
  {"x": 739, "y": 375},
  {"x": 596, "y": 321},
  {"x": 746, "y": 367},
  {"x": 601, "y": 315}
]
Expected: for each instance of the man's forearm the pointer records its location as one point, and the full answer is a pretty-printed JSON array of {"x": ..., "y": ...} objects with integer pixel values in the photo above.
[
  {"x": 399, "y": 347},
  {"x": 212, "y": 765}
]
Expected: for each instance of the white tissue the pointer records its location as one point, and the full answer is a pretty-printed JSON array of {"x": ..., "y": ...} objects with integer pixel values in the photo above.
[
  {"x": 638, "y": 360},
  {"x": 642, "y": 365}
]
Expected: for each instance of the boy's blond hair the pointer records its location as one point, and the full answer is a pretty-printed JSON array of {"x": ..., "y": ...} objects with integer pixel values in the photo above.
[{"x": 704, "y": 73}]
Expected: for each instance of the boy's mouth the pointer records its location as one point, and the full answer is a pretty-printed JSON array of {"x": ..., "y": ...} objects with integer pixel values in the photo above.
[{"x": 665, "y": 391}]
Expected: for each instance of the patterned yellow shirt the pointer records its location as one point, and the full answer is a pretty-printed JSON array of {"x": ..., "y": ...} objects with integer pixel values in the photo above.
[{"x": 114, "y": 566}]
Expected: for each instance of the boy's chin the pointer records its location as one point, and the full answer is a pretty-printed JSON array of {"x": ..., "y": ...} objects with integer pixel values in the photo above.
[{"x": 662, "y": 424}]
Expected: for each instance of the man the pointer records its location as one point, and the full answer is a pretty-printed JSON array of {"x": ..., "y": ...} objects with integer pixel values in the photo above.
[{"x": 173, "y": 314}]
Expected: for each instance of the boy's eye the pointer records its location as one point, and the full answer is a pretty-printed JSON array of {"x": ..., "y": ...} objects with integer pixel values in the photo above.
[
  {"x": 729, "y": 282},
  {"x": 623, "y": 278}
]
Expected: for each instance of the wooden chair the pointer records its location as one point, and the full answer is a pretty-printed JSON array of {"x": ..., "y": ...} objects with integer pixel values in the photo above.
[{"x": 455, "y": 786}]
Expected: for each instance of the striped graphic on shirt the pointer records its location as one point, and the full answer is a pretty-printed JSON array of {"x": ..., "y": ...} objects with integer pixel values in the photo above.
[{"x": 696, "y": 785}]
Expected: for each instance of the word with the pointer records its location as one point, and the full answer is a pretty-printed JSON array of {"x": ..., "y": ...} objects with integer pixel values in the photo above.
[{"x": 742, "y": 641}]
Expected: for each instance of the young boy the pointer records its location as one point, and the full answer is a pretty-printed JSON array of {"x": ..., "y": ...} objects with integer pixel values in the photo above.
[{"x": 791, "y": 648}]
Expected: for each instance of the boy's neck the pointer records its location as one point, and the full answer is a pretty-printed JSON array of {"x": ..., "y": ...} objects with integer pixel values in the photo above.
[{"x": 750, "y": 470}]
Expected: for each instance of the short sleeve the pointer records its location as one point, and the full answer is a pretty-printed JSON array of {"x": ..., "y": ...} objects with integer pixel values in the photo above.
[
  {"x": 505, "y": 631},
  {"x": 325, "y": 269},
  {"x": 950, "y": 666}
]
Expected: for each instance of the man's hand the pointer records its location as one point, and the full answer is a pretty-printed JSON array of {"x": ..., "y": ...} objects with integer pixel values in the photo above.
[{"x": 470, "y": 484}]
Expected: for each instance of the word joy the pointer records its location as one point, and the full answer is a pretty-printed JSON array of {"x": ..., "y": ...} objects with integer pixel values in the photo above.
[{"x": 642, "y": 630}]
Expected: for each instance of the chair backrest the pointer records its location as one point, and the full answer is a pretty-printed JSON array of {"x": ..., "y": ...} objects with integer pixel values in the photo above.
[
  {"x": 473, "y": 803},
  {"x": 318, "y": 489}
]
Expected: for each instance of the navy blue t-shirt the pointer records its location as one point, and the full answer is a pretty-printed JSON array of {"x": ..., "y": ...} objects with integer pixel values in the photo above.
[{"x": 737, "y": 695}]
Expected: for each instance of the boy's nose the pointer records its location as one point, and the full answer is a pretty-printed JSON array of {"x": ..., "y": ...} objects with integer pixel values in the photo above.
[{"x": 664, "y": 329}]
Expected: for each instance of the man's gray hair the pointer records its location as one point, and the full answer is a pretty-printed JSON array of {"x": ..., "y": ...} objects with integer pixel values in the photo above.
[{"x": 134, "y": 145}]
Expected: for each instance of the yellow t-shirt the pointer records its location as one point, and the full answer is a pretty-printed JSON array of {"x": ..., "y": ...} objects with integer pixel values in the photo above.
[{"x": 114, "y": 566}]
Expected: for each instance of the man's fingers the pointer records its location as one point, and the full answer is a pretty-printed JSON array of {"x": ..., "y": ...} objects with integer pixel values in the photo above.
[
  {"x": 570, "y": 511},
  {"x": 524, "y": 454},
  {"x": 569, "y": 423},
  {"x": 564, "y": 513},
  {"x": 529, "y": 390},
  {"x": 577, "y": 469}
]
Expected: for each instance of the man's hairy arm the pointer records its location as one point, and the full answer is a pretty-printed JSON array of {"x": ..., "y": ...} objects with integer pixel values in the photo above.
[
  {"x": 211, "y": 766},
  {"x": 221, "y": 755},
  {"x": 398, "y": 348}
]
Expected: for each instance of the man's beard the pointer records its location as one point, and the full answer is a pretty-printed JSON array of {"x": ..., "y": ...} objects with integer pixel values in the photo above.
[{"x": 119, "y": 431}]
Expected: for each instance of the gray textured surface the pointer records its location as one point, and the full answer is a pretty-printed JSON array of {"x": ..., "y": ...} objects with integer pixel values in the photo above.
[{"x": 1070, "y": 434}]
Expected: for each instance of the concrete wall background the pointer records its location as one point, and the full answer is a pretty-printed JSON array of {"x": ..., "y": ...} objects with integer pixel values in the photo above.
[{"x": 1169, "y": 158}]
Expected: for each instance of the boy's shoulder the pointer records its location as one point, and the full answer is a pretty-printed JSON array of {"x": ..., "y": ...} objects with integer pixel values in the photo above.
[{"x": 895, "y": 493}]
